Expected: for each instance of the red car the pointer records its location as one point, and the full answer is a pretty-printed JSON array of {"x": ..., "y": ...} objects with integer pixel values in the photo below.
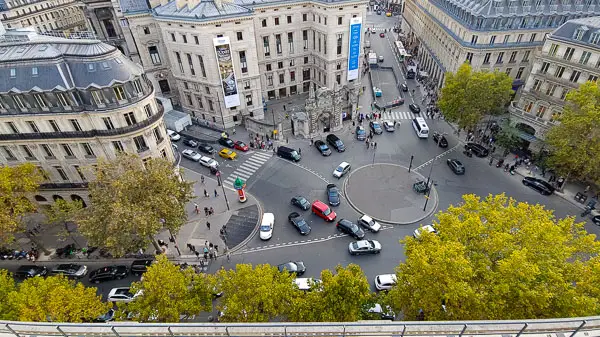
[
  {"x": 323, "y": 211},
  {"x": 381, "y": 35},
  {"x": 239, "y": 145}
]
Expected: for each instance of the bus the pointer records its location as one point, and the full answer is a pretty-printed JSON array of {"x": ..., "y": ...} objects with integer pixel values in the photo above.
[{"x": 400, "y": 51}]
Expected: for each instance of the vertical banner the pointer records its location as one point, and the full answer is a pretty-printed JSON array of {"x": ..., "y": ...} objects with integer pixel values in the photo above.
[
  {"x": 226, "y": 71},
  {"x": 354, "y": 47}
]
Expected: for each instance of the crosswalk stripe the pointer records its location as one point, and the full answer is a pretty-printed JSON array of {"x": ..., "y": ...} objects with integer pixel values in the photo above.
[
  {"x": 238, "y": 173},
  {"x": 263, "y": 155},
  {"x": 245, "y": 170},
  {"x": 252, "y": 165},
  {"x": 258, "y": 161},
  {"x": 230, "y": 180}
]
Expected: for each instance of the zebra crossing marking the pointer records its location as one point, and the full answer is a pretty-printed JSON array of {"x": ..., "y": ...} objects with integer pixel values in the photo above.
[{"x": 249, "y": 167}]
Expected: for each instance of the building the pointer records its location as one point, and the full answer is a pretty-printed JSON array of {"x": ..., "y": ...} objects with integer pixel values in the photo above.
[
  {"x": 103, "y": 18},
  {"x": 494, "y": 35},
  {"x": 64, "y": 103},
  {"x": 277, "y": 49},
  {"x": 570, "y": 56},
  {"x": 44, "y": 15}
]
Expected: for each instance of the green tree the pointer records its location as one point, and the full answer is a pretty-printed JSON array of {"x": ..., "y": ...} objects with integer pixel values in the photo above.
[
  {"x": 499, "y": 259},
  {"x": 257, "y": 294},
  {"x": 469, "y": 95},
  {"x": 342, "y": 296},
  {"x": 168, "y": 292},
  {"x": 508, "y": 137},
  {"x": 16, "y": 184},
  {"x": 575, "y": 142},
  {"x": 132, "y": 202},
  {"x": 56, "y": 299},
  {"x": 7, "y": 287},
  {"x": 63, "y": 212}
]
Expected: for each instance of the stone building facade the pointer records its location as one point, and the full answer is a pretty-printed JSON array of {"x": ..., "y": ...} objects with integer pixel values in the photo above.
[
  {"x": 44, "y": 15},
  {"x": 102, "y": 18}
]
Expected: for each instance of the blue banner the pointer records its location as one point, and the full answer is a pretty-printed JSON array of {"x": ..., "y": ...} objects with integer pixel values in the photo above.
[{"x": 354, "y": 48}]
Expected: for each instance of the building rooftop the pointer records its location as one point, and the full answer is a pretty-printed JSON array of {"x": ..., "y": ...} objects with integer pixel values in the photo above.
[
  {"x": 521, "y": 8},
  {"x": 585, "y": 31}
]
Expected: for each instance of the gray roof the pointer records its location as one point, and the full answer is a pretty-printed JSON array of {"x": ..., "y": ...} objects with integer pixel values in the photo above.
[
  {"x": 134, "y": 6},
  {"x": 512, "y": 8},
  {"x": 567, "y": 31}
]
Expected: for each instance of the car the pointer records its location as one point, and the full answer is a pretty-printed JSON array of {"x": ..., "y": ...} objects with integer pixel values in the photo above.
[
  {"x": 190, "y": 142},
  {"x": 107, "y": 317},
  {"x": 404, "y": 87},
  {"x": 364, "y": 247},
  {"x": 205, "y": 148},
  {"x": 428, "y": 228},
  {"x": 456, "y": 166},
  {"x": 266, "y": 226},
  {"x": 350, "y": 228},
  {"x": 208, "y": 162},
  {"x": 341, "y": 170},
  {"x": 297, "y": 267},
  {"x": 375, "y": 127},
  {"x": 299, "y": 222},
  {"x": 541, "y": 186},
  {"x": 385, "y": 281},
  {"x": 191, "y": 155},
  {"x": 381, "y": 34},
  {"x": 333, "y": 195},
  {"x": 388, "y": 126},
  {"x": 383, "y": 312},
  {"x": 226, "y": 142},
  {"x": 414, "y": 108},
  {"x": 308, "y": 283},
  {"x": 378, "y": 12},
  {"x": 596, "y": 219},
  {"x": 227, "y": 154},
  {"x": 70, "y": 270},
  {"x": 323, "y": 211},
  {"x": 322, "y": 147},
  {"x": 122, "y": 294},
  {"x": 28, "y": 271},
  {"x": 301, "y": 202},
  {"x": 173, "y": 135},
  {"x": 477, "y": 149},
  {"x": 380, "y": 58},
  {"x": 440, "y": 140},
  {"x": 239, "y": 145},
  {"x": 138, "y": 267},
  {"x": 361, "y": 134},
  {"x": 109, "y": 273},
  {"x": 335, "y": 142},
  {"x": 367, "y": 222}
]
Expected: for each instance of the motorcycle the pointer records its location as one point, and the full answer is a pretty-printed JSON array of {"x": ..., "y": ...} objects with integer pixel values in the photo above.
[
  {"x": 468, "y": 153},
  {"x": 506, "y": 167},
  {"x": 588, "y": 210},
  {"x": 500, "y": 163}
]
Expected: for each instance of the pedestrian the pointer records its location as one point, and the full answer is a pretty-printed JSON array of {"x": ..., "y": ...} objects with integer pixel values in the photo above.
[
  {"x": 216, "y": 194},
  {"x": 210, "y": 246},
  {"x": 353, "y": 123},
  {"x": 207, "y": 226},
  {"x": 311, "y": 142},
  {"x": 587, "y": 189},
  {"x": 206, "y": 244},
  {"x": 206, "y": 211},
  {"x": 367, "y": 142},
  {"x": 491, "y": 160},
  {"x": 299, "y": 151},
  {"x": 374, "y": 145},
  {"x": 189, "y": 245},
  {"x": 228, "y": 256},
  {"x": 205, "y": 194},
  {"x": 197, "y": 255},
  {"x": 206, "y": 255},
  {"x": 211, "y": 211},
  {"x": 233, "y": 131},
  {"x": 196, "y": 209},
  {"x": 284, "y": 108},
  {"x": 217, "y": 248},
  {"x": 202, "y": 179}
]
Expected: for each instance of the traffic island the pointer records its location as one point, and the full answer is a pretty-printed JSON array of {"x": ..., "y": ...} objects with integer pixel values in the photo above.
[{"x": 385, "y": 192}]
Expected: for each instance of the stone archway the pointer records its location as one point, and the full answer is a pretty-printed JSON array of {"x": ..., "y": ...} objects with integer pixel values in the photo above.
[
  {"x": 40, "y": 198},
  {"x": 324, "y": 121},
  {"x": 75, "y": 197},
  {"x": 528, "y": 129}
]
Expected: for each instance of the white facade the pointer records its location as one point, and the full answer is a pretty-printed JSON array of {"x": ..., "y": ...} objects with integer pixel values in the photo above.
[{"x": 44, "y": 15}]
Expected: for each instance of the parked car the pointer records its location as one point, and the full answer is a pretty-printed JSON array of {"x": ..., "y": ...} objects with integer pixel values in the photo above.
[
  {"x": 301, "y": 202},
  {"x": 206, "y": 148},
  {"x": 456, "y": 166},
  {"x": 333, "y": 195},
  {"x": 208, "y": 162},
  {"x": 381, "y": 34},
  {"x": 350, "y": 228},
  {"x": 478, "y": 150},
  {"x": 385, "y": 281},
  {"x": 299, "y": 223},
  {"x": 190, "y": 142},
  {"x": 388, "y": 126},
  {"x": 414, "y": 108},
  {"x": 109, "y": 273},
  {"x": 375, "y": 127},
  {"x": 335, "y": 142},
  {"x": 341, "y": 170},
  {"x": 266, "y": 226},
  {"x": 138, "y": 267},
  {"x": 428, "y": 228},
  {"x": 173, "y": 135},
  {"x": 364, "y": 247},
  {"x": 383, "y": 312},
  {"x": 226, "y": 142},
  {"x": 322, "y": 147},
  {"x": 297, "y": 267},
  {"x": 70, "y": 270},
  {"x": 107, "y": 317},
  {"x": 288, "y": 153},
  {"x": 404, "y": 87},
  {"x": 539, "y": 185},
  {"x": 367, "y": 222},
  {"x": 122, "y": 294},
  {"x": 596, "y": 220},
  {"x": 307, "y": 283},
  {"x": 361, "y": 134},
  {"x": 191, "y": 155},
  {"x": 28, "y": 271},
  {"x": 323, "y": 211},
  {"x": 380, "y": 58},
  {"x": 440, "y": 140},
  {"x": 227, "y": 154},
  {"x": 239, "y": 145}
]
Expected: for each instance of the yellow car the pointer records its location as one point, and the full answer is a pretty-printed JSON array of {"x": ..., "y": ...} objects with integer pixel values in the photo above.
[
  {"x": 388, "y": 14},
  {"x": 227, "y": 154}
]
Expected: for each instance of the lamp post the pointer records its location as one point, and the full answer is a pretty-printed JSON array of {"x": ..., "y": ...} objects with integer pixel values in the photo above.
[{"x": 223, "y": 188}]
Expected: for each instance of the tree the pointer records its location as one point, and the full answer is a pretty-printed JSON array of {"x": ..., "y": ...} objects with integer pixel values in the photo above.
[
  {"x": 169, "y": 292},
  {"x": 132, "y": 201},
  {"x": 341, "y": 297},
  {"x": 508, "y": 137},
  {"x": 256, "y": 294},
  {"x": 62, "y": 212},
  {"x": 499, "y": 259},
  {"x": 56, "y": 299},
  {"x": 7, "y": 287},
  {"x": 575, "y": 142},
  {"x": 16, "y": 184},
  {"x": 468, "y": 95}
]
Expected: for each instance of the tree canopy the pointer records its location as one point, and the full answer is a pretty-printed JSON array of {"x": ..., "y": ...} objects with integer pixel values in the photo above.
[
  {"x": 495, "y": 258},
  {"x": 508, "y": 137},
  {"x": 16, "y": 184},
  {"x": 133, "y": 201},
  {"x": 575, "y": 142},
  {"x": 469, "y": 95},
  {"x": 7, "y": 287}
]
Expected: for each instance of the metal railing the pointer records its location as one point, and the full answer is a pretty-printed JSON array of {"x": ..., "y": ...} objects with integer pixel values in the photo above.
[{"x": 530, "y": 118}]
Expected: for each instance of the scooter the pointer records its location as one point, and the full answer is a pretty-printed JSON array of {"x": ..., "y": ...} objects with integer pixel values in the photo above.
[
  {"x": 500, "y": 163},
  {"x": 506, "y": 167}
]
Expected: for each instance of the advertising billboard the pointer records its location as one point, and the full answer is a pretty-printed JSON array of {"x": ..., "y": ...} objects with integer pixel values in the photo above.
[
  {"x": 226, "y": 71},
  {"x": 354, "y": 48}
]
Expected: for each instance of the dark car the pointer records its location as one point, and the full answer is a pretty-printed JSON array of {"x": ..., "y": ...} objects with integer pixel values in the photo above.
[
  {"x": 206, "y": 148},
  {"x": 404, "y": 87},
  {"x": 138, "y": 267},
  {"x": 301, "y": 202},
  {"x": 108, "y": 273},
  {"x": 28, "y": 271},
  {"x": 361, "y": 134},
  {"x": 376, "y": 127},
  {"x": 350, "y": 228},
  {"x": 456, "y": 166},
  {"x": 190, "y": 142},
  {"x": 299, "y": 222},
  {"x": 293, "y": 267},
  {"x": 414, "y": 108},
  {"x": 336, "y": 143},
  {"x": 322, "y": 147},
  {"x": 478, "y": 150},
  {"x": 440, "y": 140},
  {"x": 543, "y": 187},
  {"x": 596, "y": 220},
  {"x": 70, "y": 270},
  {"x": 227, "y": 142},
  {"x": 333, "y": 195}
]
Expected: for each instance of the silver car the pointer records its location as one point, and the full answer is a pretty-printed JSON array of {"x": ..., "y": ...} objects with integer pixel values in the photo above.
[
  {"x": 191, "y": 155},
  {"x": 364, "y": 247}
]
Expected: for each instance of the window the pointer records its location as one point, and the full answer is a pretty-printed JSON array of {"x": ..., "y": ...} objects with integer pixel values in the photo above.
[
  {"x": 184, "y": 38},
  {"x": 532, "y": 38},
  {"x": 8, "y": 153},
  {"x": 492, "y": 39},
  {"x": 290, "y": 37},
  {"x": 87, "y": 149},
  {"x": 189, "y": 99},
  {"x": 292, "y": 76},
  {"x": 13, "y": 72},
  {"x": 53, "y": 125},
  {"x": 67, "y": 150},
  {"x": 47, "y": 151},
  {"x": 268, "y": 67},
  {"x": 536, "y": 85},
  {"x": 279, "y": 65},
  {"x": 130, "y": 118},
  {"x": 158, "y": 135},
  {"x": 540, "y": 111},
  {"x": 75, "y": 124},
  {"x": 559, "y": 71},
  {"x": 508, "y": 71},
  {"x": 519, "y": 38},
  {"x": 469, "y": 57},
  {"x": 137, "y": 86},
  {"x": 97, "y": 97},
  {"x": 173, "y": 37},
  {"x": 575, "y": 76},
  {"x": 246, "y": 84},
  {"x": 34, "y": 71},
  {"x": 154, "y": 55},
  {"x": 61, "y": 173},
  {"x": 340, "y": 38},
  {"x": 264, "y": 22},
  {"x": 305, "y": 39},
  {"x": 27, "y": 152},
  {"x": 305, "y": 59},
  {"x": 544, "y": 68},
  {"x": 108, "y": 123},
  {"x": 196, "y": 41},
  {"x": 211, "y": 106},
  {"x": 243, "y": 62},
  {"x": 474, "y": 39},
  {"x": 281, "y": 78},
  {"x": 592, "y": 78},
  {"x": 207, "y": 89},
  {"x": 202, "y": 69},
  {"x": 248, "y": 100},
  {"x": 33, "y": 126},
  {"x": 278, "y": 43},
  {"x": 200, "y": 104},
  {"x": 276, "y": 21},
  {"x": 140, "y": 143},
  {"x": 19, "y": 102},
  {"x": 553, "y": 49},
  {"x": 486, "y": 59},
  {"x": 266, "y": 46},
  {"x": 500, "y": 56},
  {"x": 118, "y": 146},
  {"x": 270, "y": 80},
  {"x": 178, "y": 57},
  {"x": 240, "y": 36},
  {"x": 80, "y": 172},
  {"x": 595, "y": 37},
  {"x": 564, "y": 93},
  {"x": 506, "y": 38},
  {"x": 513, "y": 57},
  {"x": 550, "y": 90},
  {"x": 304, "y": 17},
  {"x": 340, "y": 20},
  {"x": 191, "y": 64},
  {"x": 289, "y": 19},
  {"x": 119, "y": 92},
  {"x": 12, "y": 127},
  {"x": 146, "y": 30},
  {"x": 526, "y": 56},
  {"x": 568, "y": 53},
  {"x": 585, "y": 57}
]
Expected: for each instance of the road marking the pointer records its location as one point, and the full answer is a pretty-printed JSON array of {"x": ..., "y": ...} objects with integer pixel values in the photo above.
[
  {"x": 437, "y": 157},
  {"x": 241, "y": 174},
  {"x": 245, "y": 170},
  {"x": 307, "y": 169}
]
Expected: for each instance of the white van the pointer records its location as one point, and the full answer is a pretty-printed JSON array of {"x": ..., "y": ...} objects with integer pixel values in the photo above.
[{"x": 420, "y": 127}]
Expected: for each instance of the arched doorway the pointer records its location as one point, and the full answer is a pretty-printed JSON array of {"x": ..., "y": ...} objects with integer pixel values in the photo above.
[
  {"x": 75, "y": 197},
  {"x": 324, "y": 121},
  {"x": 40, "y": 198},
  {"x": 527, "y": 134}
]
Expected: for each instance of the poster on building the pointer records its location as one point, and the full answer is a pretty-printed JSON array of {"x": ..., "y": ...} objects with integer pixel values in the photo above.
[
  {"x": 354, "y": 48},
  {"x": 226, "y": 70}
]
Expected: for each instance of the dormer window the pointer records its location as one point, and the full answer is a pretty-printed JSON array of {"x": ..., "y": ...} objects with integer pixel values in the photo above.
[
  {"x": 34, "y": 71},
  {"x": 525, "y": 3},
  {"x": 595, "y": 37},
  {"x": 13, "y": 72},
  {"x": 578, "y": 35},
  {"x": 538, "y": 3}
]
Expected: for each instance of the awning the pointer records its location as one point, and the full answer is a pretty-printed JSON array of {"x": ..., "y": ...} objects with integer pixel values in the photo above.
[{"x": 528, "y": 137}]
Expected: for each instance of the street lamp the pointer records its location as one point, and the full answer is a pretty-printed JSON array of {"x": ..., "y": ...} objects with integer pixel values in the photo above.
[{"x": 223, "y": 188}]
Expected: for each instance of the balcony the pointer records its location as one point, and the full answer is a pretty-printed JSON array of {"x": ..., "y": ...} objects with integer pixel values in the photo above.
[
  {"x": 63, "y": 186},
  {"x": 537, "y": 122}
]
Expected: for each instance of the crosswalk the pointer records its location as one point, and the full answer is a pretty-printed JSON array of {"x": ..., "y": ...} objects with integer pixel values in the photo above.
[
  {"x": 403, "y": 115},
  {"x": 251, "y": 165}
]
